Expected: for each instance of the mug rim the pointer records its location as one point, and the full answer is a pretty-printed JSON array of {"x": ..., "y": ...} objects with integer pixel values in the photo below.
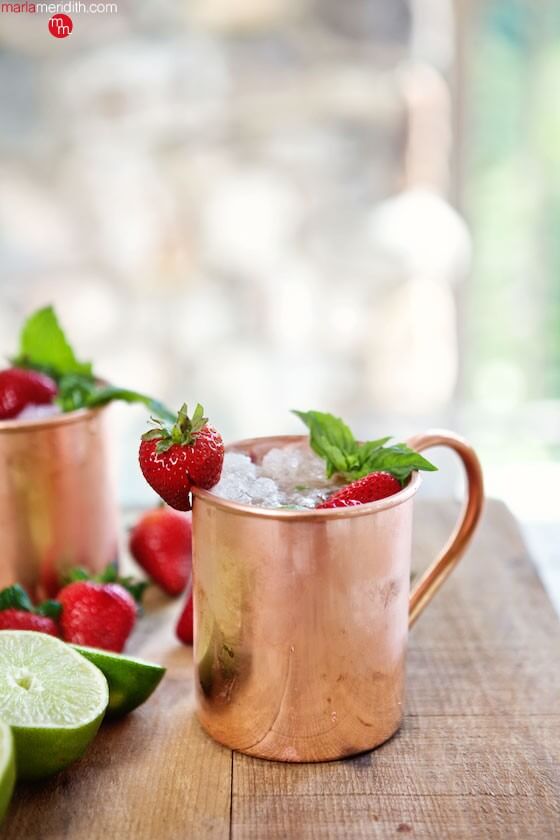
[
  {"x": 312, "y": 514},
  {"x": 64, "y": 418}
]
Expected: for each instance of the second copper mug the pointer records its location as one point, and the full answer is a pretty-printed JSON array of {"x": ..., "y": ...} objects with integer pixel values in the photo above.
[
  {"x": 57, "y": 507},
  {"x": 302, "y": 617}
]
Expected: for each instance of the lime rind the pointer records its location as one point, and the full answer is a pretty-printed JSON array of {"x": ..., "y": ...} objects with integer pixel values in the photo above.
[
  {"x": 7, "y": 768},
  {"x": 53, "y": 699},
  {"x": 131, "y": 680}
]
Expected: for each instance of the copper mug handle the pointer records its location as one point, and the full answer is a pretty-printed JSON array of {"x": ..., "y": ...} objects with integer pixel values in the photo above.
[{"x": 454, "y": 549}]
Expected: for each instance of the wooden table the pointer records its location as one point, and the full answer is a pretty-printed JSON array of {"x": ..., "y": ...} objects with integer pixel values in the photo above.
[{"x": 477, "y": 756}]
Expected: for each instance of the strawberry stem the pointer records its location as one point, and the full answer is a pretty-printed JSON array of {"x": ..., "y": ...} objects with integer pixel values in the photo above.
[{"x": 183, "y": 432}]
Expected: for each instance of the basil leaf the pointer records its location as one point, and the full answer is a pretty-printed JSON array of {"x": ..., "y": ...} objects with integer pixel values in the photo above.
[
  {"x": 331, "y": 439},
  {"x": 101, "y": 395},
  {"x": 44, "y": 345},
  {"x": 76, "y": 391},
  {"x": 399, "y": 460}
]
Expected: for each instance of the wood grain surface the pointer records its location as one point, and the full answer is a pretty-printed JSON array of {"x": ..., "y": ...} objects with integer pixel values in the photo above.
[{"x": 478, "y": 755}]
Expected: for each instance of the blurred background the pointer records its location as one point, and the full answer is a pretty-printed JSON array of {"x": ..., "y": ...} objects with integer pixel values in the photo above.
[{"x": 269, "y": 204}]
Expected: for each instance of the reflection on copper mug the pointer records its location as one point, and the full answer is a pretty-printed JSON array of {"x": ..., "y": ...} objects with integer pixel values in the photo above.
[
  {"x": 301, "y": 618},
  {"x": 57, "y": 507}
]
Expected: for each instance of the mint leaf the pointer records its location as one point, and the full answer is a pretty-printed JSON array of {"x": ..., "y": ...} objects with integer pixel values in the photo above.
[
  {"x": 332, "y": 440},
  {"x": 101, "y": 395},
  {"x": 77, "y": 391},
  {"x": 43, "y": 345},
  {"x": 399, "y": 460},
  {"x": 15, "y": 597}
]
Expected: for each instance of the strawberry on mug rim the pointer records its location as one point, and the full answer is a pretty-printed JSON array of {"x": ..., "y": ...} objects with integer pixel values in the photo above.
[{"x": 173, "y": 459}]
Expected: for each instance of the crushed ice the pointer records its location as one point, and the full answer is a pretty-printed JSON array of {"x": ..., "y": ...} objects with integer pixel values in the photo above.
[
  {"x": 38, "y": 412},
  {"x": 291, "y": 476}
]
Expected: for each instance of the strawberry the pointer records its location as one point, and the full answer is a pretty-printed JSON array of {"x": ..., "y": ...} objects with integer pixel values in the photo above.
[
  {"x": 17, "y": 612},
  {"x": 161, "y": 542},
  {"x": 166, "y": 473},
  {"x": 100, "y": 615},
  {"x": 184, "y": 627},
  {"x": 370, "y": 488},
  {"x": 173, "y": 459},
  {"x": 205, "y": 458},
  {"x": 12, "y": 619},
  {"x": 20, "y": 387}
]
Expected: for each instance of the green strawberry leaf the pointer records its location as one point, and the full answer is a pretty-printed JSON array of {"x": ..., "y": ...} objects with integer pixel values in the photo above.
[
  {"x": 15, "y": 597},
  {"x": 110, "y": 574},
  {"x": 135, "y": 587},
  {"x": 44, "y": 345},
  {"x": 74, "y": 574},
  {"x": 332, "y": 440},
  {"x": 50, "y": 608}
]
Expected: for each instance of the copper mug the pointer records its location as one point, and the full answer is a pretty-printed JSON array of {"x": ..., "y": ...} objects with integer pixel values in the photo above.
[
  {"x": 302, "y": 617},
  {"x": 57, "y": 506}
]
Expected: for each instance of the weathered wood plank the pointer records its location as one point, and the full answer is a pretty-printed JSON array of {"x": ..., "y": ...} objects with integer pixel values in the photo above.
[
  {"x": 478, "y": 755},
  {"x": 363, "y": 817},
  {"x": 154, "y": 774}
]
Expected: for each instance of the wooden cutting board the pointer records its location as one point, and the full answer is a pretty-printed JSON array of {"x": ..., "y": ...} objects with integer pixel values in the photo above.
[{"x": 478, "y": 755}]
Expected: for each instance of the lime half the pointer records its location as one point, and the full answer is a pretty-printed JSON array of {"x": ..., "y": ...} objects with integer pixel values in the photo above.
[
  {"x": 53, "y": 699},
  {"x": 131, "y": 680},
  {"x": 7, "y": 768}
]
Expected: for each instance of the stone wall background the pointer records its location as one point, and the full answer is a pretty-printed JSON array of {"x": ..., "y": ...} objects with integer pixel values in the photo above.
[{"x": 240, "y": 203}]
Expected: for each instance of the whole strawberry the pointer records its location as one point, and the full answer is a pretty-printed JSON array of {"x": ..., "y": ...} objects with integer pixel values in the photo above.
[
  {"x": 161, "y": 542},
  {"x": 370, "y": 488},
  {"x": 173, "y": 459},
  {"x": 17, "y": 612},
  {"x": 184, "y": 627},
  {"x": 13, "y": 619},
  {"x": 99, "y": 615},
  {"x": 20, "y": 387}
]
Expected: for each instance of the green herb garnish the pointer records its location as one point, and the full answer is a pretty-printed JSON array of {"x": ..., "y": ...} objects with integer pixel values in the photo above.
[
  {"x": 331, "y": 439},
  {"x": 43, "y": 346}
]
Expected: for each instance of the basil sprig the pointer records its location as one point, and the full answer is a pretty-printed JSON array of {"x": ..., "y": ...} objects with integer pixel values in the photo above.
[{"x": 331, "y": 439}]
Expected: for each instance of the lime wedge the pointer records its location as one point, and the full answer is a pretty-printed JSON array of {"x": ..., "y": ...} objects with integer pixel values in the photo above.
[
  {"x": 131, "y": 680},
  {"x": 7, "y": 768},
  {"x": 53, "y": 699}
]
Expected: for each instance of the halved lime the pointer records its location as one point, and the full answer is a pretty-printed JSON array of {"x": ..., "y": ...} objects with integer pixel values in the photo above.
[
  {"x": 53, "y": 699},
  {"x": 131, "y": 680},
  {"x": 7, "y": 768}
]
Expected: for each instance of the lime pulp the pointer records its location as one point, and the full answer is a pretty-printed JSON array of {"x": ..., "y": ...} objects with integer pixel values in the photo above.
[
  {"x": 7, "y": 768},
  {"x": 52, "y": 698}
]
